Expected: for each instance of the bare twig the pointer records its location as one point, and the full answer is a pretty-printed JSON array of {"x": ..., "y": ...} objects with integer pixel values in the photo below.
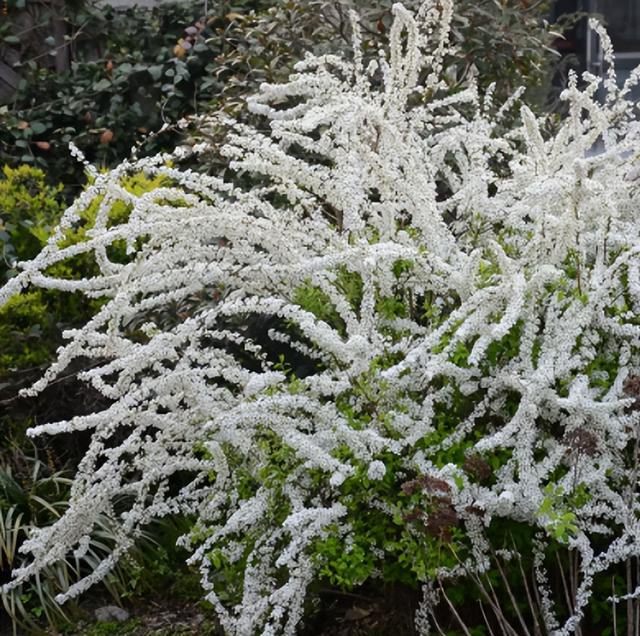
[
  {"x": 614, "y": 607},
  {"x": 533, "y": 604},
  {"x": 505, "y": 580},
  {"x": 630, "y": 621},
  {"x": 565, "y": 585},
  {"x": 457, "y": 616},
  {"x": 486, "y": 619}
]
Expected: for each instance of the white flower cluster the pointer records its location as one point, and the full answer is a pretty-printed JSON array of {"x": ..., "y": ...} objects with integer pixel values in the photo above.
[{"x": 514, "y": 261}]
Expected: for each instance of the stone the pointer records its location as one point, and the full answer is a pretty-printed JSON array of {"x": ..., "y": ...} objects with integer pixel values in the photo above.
[{"x": 110, "y": 614}]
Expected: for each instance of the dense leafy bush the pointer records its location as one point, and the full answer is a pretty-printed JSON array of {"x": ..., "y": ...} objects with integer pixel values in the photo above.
[
  {"x": 29, "y": 209},
  {"x": 31, "y": 323},
  {"x": 450, "y": 358},
  {"x": 133, "y": 71},
  {"x": 136, "y": 71}
]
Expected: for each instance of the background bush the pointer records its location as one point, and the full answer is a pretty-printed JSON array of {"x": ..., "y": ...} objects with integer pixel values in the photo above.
[{"x": 134, "y": 71}]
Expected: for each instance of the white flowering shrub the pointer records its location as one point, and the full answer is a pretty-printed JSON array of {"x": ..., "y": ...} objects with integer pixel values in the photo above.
[{"x": 408, "y": 319}]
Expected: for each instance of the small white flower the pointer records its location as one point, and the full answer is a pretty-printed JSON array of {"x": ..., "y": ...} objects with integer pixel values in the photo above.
[
  {"x": 337, "y": 479},
  {"x": 377, "y": 470}
]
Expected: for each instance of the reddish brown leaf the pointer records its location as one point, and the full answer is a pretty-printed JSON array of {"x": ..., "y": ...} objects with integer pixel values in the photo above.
[{"x": 106, "y": 137}]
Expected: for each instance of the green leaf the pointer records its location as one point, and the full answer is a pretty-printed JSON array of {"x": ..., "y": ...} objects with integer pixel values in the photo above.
[
  {"x": 38, "y": 127},
  {"x": 155, "y": 71},
  {"x": 102, "y": 85}
]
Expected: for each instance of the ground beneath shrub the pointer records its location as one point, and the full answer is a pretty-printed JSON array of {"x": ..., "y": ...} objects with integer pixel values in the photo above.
[
  {"x": 371, "y": 613},
  {"x": 158, "y": 617}
]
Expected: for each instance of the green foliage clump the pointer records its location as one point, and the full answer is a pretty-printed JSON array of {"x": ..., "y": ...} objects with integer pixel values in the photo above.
[
  {"x": 29, "y": 209},
  {"x": 31, "y": 323}
]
